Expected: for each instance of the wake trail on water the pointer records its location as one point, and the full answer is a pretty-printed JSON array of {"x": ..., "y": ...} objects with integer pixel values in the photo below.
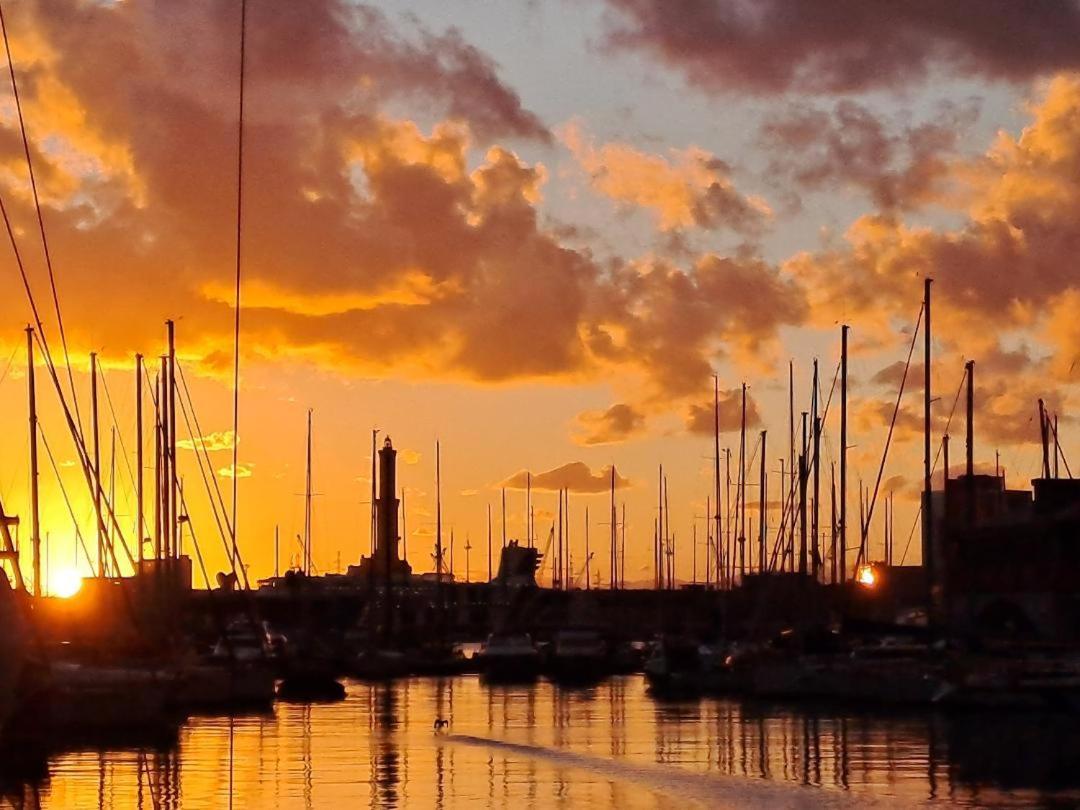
[{"x": 708, "y": 790}]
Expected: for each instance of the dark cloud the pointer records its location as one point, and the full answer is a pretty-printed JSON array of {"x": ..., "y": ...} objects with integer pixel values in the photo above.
[
  {"x": 615, "y": 424},
  {"x": 893, "y": 374},
  {"x": 575, "y": 476},
  {"x": 700, "y": 417},
  {"x": 846, "y": 46},
  {"x": 900, "y": 167}
]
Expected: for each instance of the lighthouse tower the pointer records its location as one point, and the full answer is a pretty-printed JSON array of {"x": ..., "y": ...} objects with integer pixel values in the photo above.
[{"x": 385, "y": 562}]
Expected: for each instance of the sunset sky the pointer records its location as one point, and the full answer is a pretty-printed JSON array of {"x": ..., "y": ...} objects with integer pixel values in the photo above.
[{"x": 534, "y": 231}]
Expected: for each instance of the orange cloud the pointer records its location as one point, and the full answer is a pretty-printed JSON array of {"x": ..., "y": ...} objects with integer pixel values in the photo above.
[
  {"x": 1011, "y": 257},
  {"x": 672, "y": 323},
  {"x": 408, "y": 456},
  {"x": 371, "y": 245},
  {"x": 241, "y": 471},
  {"x": 412, "y": 289},
  {"x": 692, "y": 189},
  {"x": 212, "y": 442}
]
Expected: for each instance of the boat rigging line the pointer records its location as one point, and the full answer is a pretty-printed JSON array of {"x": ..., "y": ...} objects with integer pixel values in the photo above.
[
  {"x": 120, "y": 433},
  {"x": 197, "y": 439},
  {"x": 236, "y": 321},
  {"x": 937, "y": 456},
  {"x": 40, "y": 218},
  {"x": 789, "y": 505},
  {"x": 865, "y": 527},
  {"x": 63, "y": 492}
]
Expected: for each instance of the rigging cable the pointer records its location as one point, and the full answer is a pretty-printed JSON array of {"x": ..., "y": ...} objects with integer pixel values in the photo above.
[
  {"x": 937, "y": 456},
  {"x": 63, "y": 492},
  {"x": 206, "y": 483},
  {"x": 1060, "y": 449},
  {"x": 10, "y": 362},
  {"x": 789, "y": 506},
  {"x": 236, "y": 324},
  {"x": 120, "y": 435},
  {"x": 40, "y": 218},
  {"x": 865, "y": 527},
  {"x": 197, "y": 436},
  {"x": 239, "y": 242}
]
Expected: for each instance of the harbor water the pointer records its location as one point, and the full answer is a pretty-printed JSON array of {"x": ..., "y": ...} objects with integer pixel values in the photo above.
[{"x": 608, "y": 746}]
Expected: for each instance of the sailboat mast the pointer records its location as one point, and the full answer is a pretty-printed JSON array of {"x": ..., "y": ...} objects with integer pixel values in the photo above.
[
  {"x": 802, "y": 500},
  {"x": 97, "y": 466},
  {"x": 112, "y": 499},
  {"x": 658, "y": 551},
  {"x": 438, "y": 516},
  {"x": 622, "y": 555},
  {"x": 669, "y": 547},
  {"x": 862, "y": 523},
  {"x": 708, "y": 540},
  {"x": 742, "y": 485},
  {"x": 832, "y": 524},
  {"x": 35, "y": 516},
  {"x": 928, "y": 503},
  {"x": 693, "y": 553},
  {"x": 568, "y": 568},
  {"x": 1057, "y": 448},
  {"x": 157, "y": 472},
  {"x": 613, "y": 556},
  {"x": 562, "y": 543},
  {"x": 791, "y": 461},
  {"x": 729, "y": 557},
  {"x": 816, "y": 520},
  {"x": 307, "y": 501},
  {"x": 892, "y": 526},
  {"x": 174, "y": 502},
  {"x": 842, "y": 538},
  {"x": 970, "y": 447},
  {"x": 785, "y": 504},
  {"x": 140, "y": 520},
  {"x": 489, "y": 540},
  {"x": 763, "y": 523},
  {"x": 588, "y": 556},
  {"x": 716, "y": 475},
  {"x": 166, "y": 462}
]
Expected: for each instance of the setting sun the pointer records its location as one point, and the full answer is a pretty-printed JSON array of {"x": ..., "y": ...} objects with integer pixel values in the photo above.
[
  {"x": 866, "y": 576},
  {"x": 66, "y": 583}
]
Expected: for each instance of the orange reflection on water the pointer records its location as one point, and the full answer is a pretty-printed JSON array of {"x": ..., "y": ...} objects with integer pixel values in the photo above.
[{"x": 609, "y": 747}]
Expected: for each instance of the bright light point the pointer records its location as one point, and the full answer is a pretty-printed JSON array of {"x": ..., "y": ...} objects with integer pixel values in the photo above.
[
  {"x": 866, "y": 576},
  {"x": 66, "y": 583}
]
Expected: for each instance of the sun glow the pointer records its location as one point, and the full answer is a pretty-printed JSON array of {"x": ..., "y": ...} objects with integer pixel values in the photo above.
[
  {"x": 866, "y": 576},
  {"x": 65, "y": 583}
]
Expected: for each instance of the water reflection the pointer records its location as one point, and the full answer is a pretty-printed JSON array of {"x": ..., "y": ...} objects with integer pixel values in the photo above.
[{"x": 608, "y": 746}]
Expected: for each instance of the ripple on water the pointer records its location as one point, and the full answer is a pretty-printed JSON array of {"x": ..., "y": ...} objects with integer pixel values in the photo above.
[{"x": 610, "y": 746}]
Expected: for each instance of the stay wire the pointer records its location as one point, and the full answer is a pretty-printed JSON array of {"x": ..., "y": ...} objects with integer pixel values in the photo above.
[
  {"x": 239, "y": 244},
  {"x": 40, "y": 218},
  {"x": 864, "y": 529}
]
